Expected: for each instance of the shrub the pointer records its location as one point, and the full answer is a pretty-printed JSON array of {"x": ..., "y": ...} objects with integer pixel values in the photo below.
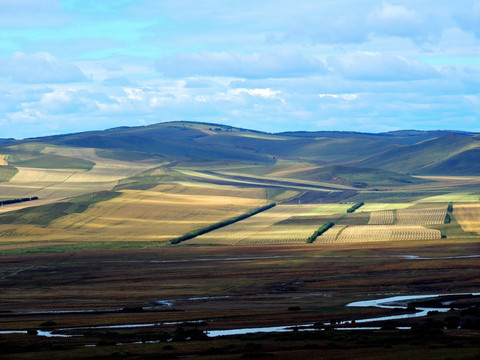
[
  {"x": 448, "y": 219},
  {"x": 319, "y": 232},
  {"x": 355, "y": 207}
]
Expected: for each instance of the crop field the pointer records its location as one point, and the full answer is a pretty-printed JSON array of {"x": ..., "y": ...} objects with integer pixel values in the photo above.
[
  {"x": 409, "y": 216},
  {"x": 452, "y": 197},
  {"x": 382, "y": 217},
  {"x": 265, "y": 228},
  {"x": 366, "y": 233},
  {"x": 427, "y": 216},
  {"x": 468, "y": 216},
  {"x": 62, "y": 183},
  {"x": 3, "y": 160},
  {"x": 161, "y": 213},
  {"x": 376, "y": 206},
  {"x": 331, "y": 234}
]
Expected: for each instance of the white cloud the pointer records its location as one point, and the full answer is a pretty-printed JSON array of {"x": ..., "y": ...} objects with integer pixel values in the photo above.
[
  {"x": 39, "y": 68},
  {"x": 395, "y": 20},
  {"x": 380, "y": 67},
  {"x": 276, "y": 64},
  {"x": 264, "y": 93},
  {"x": 346, "y": 97}
]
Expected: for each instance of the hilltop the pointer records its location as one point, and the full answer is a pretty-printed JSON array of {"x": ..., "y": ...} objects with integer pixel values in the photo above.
[{"x": 406, "y": 152}]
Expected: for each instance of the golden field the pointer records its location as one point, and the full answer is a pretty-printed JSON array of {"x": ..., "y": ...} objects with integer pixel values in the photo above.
[
  {"x": 264, "y": 228},
  {"x": 468, "y": 216},
  {"x": 366, "y": 233},
  {"x": 161, "y": 213},
  {"x": 62, "y": 183}
]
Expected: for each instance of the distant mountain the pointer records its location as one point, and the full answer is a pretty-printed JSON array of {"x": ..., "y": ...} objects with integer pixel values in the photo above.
[
  {"x": 6, "y": 141},
  {"x": 406, "y": 137},
  {"x": 354, "y": 155}
]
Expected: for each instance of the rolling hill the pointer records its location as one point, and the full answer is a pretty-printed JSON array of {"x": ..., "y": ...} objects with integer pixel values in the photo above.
[
  {"x": 400, "y": 152},
  {"x": 436, "y": 156}
]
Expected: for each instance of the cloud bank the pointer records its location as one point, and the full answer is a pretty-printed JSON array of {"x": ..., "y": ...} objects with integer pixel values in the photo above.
[{"x": 68, "y": 65}]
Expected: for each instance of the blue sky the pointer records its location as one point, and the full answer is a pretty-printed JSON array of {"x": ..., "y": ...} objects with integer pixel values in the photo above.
[{"x": 356, "y": 65}]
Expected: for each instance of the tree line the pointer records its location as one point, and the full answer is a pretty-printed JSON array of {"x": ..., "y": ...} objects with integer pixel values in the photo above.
[{"x": 16, "y": 201}]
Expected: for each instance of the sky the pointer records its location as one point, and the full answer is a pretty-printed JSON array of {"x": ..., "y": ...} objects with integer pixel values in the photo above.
[{"x": 280, "y": 65}]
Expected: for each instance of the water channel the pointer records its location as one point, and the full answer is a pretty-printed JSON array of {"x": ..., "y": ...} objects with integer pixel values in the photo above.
[{"x": 392, "y": 302}]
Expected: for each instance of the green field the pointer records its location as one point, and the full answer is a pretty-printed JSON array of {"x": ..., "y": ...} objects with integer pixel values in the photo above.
[{"x": 7, "y": 172}]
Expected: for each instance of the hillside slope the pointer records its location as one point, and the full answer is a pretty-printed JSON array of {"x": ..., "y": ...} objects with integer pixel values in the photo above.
[{"x": 427, "y": 157}]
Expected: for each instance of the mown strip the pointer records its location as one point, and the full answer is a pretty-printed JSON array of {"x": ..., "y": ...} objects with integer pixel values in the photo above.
[
  {"x": 355, "y": 207},
  {"x": 206, "y": 229},
  {"x": 319, "y": 232}
]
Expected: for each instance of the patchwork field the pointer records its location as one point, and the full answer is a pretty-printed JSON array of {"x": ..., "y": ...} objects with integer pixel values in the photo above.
[
  {"x": 468, "y": 216},
  {"x": 265, "y": 228},
  {"x": 51, "y": 183},
  {"x": 161, "y": 213}
]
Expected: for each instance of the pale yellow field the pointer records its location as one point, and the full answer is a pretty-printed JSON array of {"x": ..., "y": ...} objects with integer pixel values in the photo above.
[
  {"x": 161, "y": 213},
  {"x": 23, "y": 205},
  {"x": 468, "y": 216},
  {"x": 384, "y": 217},
  {"x": 383, "y": 206},
  {"x": 427, "y": 216},
  {"x": 3, "y": 160},
  {"x": 62, "y": 183},
  {"x": 365, "y": 233},
  {"x": 430, "y": 215},
  {"x": 331, "y": 234},
  {"x": 451, "y": 197},
  {"x": 263, "y": 228}
]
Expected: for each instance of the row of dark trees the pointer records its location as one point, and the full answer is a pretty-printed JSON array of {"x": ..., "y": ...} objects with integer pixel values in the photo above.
[
  {"x": 16, "y": 201},
  {"x": 319, "y": 232},
  {"x": 204, "y": 230},
  {"x": 355, "y": 207}
]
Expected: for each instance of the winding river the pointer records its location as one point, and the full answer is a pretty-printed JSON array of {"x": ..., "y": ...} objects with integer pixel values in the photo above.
[{"x": 392, "y": 302}]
